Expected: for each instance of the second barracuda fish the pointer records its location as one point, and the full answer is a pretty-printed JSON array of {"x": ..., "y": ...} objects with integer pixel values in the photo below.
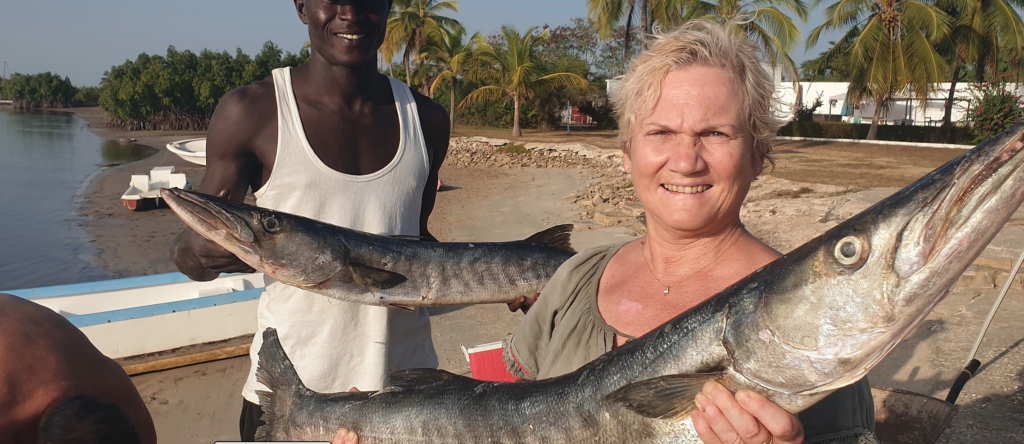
[{"x": 354, "y": 266}]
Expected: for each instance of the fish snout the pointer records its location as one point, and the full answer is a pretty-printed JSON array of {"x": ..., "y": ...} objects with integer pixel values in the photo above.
[{"x": 208, "y": 216}]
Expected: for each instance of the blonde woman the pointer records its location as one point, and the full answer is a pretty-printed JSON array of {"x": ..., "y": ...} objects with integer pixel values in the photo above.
[
  {"x": 696, "y": 117},
  {"x": 697, "y": 114}
]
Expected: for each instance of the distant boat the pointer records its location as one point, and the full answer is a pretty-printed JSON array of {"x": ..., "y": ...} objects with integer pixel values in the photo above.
[
  {"x": 146, "y": 187},
  {"x": 192, "y": 150},
  {"x": 161, "y": 321}
]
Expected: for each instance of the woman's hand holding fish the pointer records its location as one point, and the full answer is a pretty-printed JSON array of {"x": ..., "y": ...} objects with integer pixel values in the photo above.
[
  {"x": 345, "y": 436},
  {"x": 744, "y": 418}
]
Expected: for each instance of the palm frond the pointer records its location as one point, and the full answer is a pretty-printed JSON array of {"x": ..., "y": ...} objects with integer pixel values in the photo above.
[{"x": 485, "y": 94}]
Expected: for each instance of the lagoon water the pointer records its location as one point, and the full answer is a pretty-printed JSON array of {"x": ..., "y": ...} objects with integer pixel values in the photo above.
[{"x": 45, "y": 160}]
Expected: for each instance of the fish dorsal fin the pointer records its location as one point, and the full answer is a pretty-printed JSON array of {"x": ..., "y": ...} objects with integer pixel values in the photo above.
[
  {"x": 556, "y": 236},
  {"x": 414, "y": 378},
  {"x": 374, "y": 278},
  {"x": 665, "y": 397}
]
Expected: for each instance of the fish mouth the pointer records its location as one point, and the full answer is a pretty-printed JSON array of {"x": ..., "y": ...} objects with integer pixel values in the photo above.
[
  {"x": 975, "y": 197},
  {"x": 212, "y": 217}
]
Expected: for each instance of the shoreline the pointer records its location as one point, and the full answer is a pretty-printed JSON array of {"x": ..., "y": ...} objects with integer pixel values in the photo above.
[{"x": 128, "y": 243}]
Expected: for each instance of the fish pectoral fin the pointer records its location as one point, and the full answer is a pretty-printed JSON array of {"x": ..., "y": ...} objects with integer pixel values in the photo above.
[
  {"x": 665, "y": 397},
  {"x": 556, "y": 236},
  {"x": 420, "y": 377},
  {"x": 402, "y": 307},
  {"x": 374, "y": 278}
]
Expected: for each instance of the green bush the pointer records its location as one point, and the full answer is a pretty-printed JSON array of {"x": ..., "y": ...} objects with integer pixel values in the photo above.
[
  {"x": 39, "y": 90},
  {"x": 87, "y": 96},
  {"x": 603, "y": 114},
  {"x": 993, "y": 109},
  {"x": 179, "y": 91},
  {"x": 895, "y": 133},
  {"x": 803, "y": 122},
  {"x": 514, "y": 148}
]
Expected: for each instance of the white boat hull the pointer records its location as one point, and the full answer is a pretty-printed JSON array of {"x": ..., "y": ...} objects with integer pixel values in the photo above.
[
  {"x": 140, "y": 316},
  {"x": 192, "y": 150}
]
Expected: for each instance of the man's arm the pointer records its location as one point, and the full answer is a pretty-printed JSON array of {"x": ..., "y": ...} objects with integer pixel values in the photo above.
[
  {"x": 232, "y": 166},
  {"x": 436, "y": 132}
]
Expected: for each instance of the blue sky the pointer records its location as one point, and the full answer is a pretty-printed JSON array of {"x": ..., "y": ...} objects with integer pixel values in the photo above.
[{"x": 82, "y": 39}]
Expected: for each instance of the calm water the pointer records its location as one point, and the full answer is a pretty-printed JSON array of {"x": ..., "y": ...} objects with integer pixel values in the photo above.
[{"x": 45, "y": 158}]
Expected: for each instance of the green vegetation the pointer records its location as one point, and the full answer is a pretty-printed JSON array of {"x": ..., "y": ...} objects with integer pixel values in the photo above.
[
  {"x": 39, "y": 90},
  {"x": 896, "y": 133},
  {"x": 87, "y": 96},
  {"x": 408, "y": 26},
  {"x": 180, "y": 90},
  {"x": 889, "y": 47},
  {"x": 449, "y": 50},
  {"x": 993, "y": 109},
  {"x": 512, "y": 70},
  {"x": 762, "y": 21},
  {"x": 514, "y": 148}
]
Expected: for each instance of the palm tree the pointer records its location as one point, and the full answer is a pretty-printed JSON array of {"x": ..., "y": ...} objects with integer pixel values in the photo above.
[
  {"x": 890, "y": 47},
  {"x": 760, "y": 20},
  {"x": 407, "y": 27},
  {"x": 512, "y": 71},
  {"x": 981, "y": 29},
  {"x": 609, "y": 13},
  {"x": 449, "y": 49}
]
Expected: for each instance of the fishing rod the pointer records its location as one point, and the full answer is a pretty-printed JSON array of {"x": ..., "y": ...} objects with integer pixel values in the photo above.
[{"x": 972, "y": 364}]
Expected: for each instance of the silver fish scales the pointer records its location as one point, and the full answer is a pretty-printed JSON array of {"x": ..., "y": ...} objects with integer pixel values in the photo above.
[{"x": 813, "y": 321}]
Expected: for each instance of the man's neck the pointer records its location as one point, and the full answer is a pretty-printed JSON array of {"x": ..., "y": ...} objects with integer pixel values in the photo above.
[{"x": 350, "y": 85}]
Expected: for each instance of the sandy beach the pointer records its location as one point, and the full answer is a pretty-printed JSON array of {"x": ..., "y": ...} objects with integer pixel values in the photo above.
[{"x": 814, "y": 187}]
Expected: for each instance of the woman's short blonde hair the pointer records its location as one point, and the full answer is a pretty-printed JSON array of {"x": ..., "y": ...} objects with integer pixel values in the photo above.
[{"x": 701, "y": 43}]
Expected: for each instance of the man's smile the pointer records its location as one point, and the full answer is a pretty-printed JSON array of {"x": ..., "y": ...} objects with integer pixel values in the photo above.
[{"x": 350, "y": 36}]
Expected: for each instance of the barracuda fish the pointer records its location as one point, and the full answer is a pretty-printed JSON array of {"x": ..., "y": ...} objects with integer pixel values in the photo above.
[
  {"x": 353, "y": 266},
  {"x": 809, "y": 323}
]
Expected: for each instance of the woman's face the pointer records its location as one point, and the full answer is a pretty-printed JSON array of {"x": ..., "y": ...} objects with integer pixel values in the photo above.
[{"x": 692, "y": 158}]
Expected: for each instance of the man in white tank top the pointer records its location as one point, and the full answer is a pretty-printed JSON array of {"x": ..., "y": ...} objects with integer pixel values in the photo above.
[{"x": 336, "y": 141}]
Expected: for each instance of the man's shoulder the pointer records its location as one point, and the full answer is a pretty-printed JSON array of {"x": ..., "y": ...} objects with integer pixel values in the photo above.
[
  {"x": 432, "y": 114},
  {"x": 249, "y": 101}
]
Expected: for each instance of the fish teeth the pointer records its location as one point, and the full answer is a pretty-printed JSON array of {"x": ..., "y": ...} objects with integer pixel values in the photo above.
[{"x": 687, "y": 190}]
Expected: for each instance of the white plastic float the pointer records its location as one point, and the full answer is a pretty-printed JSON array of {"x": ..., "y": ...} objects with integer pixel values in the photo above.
[
  {"x": 192, "y": 150},
  {"x": 145, "y": 186}
]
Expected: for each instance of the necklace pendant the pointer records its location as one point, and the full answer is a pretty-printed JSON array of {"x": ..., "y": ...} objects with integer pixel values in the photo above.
[{"x": 666, "y": 290}]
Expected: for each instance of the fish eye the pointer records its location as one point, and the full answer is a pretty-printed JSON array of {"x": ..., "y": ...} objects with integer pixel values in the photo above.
[
  {"x": 271, "y": 224},
  {"x": 849, "y": 250}
]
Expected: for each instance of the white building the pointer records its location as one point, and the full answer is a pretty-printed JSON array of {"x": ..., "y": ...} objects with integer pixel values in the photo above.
[{"x": 902, "y": 110}]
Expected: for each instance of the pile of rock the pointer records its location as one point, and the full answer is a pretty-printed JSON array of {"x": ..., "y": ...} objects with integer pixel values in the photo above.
[
  {"x": 484, "y": 152},
  {"x": 609, "y": 200}
]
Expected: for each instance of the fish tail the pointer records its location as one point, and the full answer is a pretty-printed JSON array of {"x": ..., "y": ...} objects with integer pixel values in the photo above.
[{"x": 276, "y": 372}]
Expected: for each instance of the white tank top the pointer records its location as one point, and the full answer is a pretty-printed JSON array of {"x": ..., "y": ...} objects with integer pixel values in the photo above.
[{"x": 336, "y": 345}]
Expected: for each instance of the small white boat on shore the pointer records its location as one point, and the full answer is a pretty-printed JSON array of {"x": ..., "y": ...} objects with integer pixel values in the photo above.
[
  {"x": 162, "y": 321},
  {"x": 192, "y": 150},
  {"x": 145, "y": 187}
]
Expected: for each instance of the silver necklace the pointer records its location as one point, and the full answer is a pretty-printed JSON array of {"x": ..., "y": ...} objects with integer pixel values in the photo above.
[{"x": 651, "y": 270}]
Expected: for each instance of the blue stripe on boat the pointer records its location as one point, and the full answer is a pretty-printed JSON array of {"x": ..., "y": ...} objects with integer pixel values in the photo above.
[
  {"x": 101, "y": 286},
  {"x": 86, "y": 320}
]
